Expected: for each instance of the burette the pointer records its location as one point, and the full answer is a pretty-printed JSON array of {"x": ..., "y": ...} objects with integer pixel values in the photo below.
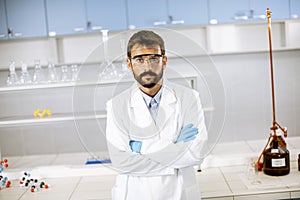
[{"x": 275, "y": 125}]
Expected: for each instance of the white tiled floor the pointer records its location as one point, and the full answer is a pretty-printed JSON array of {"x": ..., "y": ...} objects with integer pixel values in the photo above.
[{"x": 225, "y": 176}]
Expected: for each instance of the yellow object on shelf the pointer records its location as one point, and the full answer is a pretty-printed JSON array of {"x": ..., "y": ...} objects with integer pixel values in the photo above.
[{"x": 39, "y": 113}]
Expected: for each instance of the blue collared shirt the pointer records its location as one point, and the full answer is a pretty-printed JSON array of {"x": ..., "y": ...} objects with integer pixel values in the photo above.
[{"x": 153, "y": 111}]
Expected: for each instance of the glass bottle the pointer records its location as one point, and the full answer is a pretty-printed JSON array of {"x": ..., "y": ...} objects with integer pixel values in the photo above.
[
  {"x": 51, "y": 74},
  {"x": 276, "y": 159},
  {"x": 12, "y": 78},
  {"x": 25, "y": 77},
  {"x": 38, "y": 75}
]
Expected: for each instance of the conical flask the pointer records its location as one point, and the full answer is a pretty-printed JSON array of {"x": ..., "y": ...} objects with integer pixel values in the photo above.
[{"x": 12, "y": 78}]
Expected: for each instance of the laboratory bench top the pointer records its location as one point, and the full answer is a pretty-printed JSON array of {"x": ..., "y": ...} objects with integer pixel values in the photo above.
[{"x": 226, "y": 174}]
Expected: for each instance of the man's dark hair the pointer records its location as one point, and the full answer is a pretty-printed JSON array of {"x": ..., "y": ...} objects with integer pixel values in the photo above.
[{"x": 145, "y": 38}]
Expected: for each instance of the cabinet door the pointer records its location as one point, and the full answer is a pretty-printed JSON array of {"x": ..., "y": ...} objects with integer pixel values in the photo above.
[
  {"x": 143, "y": 13},
  {"x": 3, "y": 26},
  {"x": 221, "y": 11},
  {"x": 66, "y": 17},
  {"x": 189, "y": 12},
  {"x": 280, "y": 9},
  {"x": 295, "y": 9},
  {"x": 109, "y": 15},
  {"x": 26, "y": 18}
]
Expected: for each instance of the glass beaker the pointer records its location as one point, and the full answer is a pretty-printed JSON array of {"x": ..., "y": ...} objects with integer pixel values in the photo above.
[{"x": 252, "y": 172}]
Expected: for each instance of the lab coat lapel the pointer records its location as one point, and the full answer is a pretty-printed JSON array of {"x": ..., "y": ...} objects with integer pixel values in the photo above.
[
  {"x": 166, "y": 107},
  {"x": 141, "y": 126}
]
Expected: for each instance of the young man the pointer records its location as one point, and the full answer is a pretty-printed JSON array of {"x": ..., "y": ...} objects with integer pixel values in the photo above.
[{"x": 155, "y": 129}]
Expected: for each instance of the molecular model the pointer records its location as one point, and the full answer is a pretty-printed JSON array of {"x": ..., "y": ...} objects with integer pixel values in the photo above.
[
  {"x": 32, "y": 183},
  {"x": 4, "y": 181},
  {"x": 38, "y": 113}
]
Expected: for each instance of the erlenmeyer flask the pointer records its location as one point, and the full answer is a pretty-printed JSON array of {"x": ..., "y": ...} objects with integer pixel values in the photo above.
[
  {"x": 74, "y": 70},
  {"x": 124, "y": 69},
  {"x": 12, "y": 78},
  {"x": 65, "y": 75},
  {"x": 38, "y": 75},
  {"x": 52, "y": 74},
  {"x": 108, "y": 68},
  {"x": 25, "y": 77}
]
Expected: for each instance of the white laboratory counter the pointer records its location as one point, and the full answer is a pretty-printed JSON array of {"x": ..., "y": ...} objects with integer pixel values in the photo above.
[{"x": 226, "y": 174}]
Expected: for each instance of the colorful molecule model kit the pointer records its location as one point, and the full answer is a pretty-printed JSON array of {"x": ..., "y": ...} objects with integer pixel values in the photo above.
[
  {"x": 34, "y": 184},
  {"x": 26, "y": 180},
  {"x": 4, "y": 181}
]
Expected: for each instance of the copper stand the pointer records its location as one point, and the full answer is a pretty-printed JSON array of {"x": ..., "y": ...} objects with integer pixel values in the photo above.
[{"x": 275, "y": 125}]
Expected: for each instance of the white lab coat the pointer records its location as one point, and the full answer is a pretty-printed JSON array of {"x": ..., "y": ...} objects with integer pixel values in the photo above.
[{"x": 164, "y": 169}]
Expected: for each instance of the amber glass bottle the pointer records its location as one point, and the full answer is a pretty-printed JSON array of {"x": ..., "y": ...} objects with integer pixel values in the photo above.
[{"x": 276, "y": 159}]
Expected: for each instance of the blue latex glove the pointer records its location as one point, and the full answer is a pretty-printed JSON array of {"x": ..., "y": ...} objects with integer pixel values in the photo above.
[
  {"x": 135, "y": 146},
  {"x": 187, "y": 133}
]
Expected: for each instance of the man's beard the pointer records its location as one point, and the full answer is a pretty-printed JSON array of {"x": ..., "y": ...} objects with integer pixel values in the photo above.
[{"x": 157, "y": 78}]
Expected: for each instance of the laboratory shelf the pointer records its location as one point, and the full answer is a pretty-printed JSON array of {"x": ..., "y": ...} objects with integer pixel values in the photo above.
[
  {"x": 61, "y": 117},
  {"x": 83, "y": 83},
  {"x": 57, "y": 117}
]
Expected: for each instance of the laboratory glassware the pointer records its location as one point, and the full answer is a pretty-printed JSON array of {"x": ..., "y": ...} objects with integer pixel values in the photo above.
[
  {"x": 65, "y": 75},
  {"x": 124, "y": 69},
  {"x": 74, "y": 70},
  {"x": 25, "y": 77},
  {"x": 38, "y": 75},
  {"x": 12, "y": 78},
  {"x": 108, "y": 68},
  {"x": 276, "y": 159},
  {"x": 52, "y": 76}
]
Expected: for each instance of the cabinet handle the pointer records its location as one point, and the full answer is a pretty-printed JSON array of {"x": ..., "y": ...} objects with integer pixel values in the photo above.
[
  {"x": 177, "y": 21},
  {"x": 241, "y": 17},
  {"x": 52, "y": 33},
  {"x": 131, "y": 27},
  {"x": 213, "y": 21},
  {"x": 10, "y": 32},
  {"x": 158, "y": 23},
  {"x": 95, "y": 28},
  {"x": 79, "y": 29},
  {"x": 294, "y": 16},
  {"x": 18, "y": 34},
  {"x": 259, "y": 16}
]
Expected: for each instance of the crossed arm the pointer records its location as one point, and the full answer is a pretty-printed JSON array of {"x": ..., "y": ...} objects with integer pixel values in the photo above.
[{"x": 126, "y": 158}]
